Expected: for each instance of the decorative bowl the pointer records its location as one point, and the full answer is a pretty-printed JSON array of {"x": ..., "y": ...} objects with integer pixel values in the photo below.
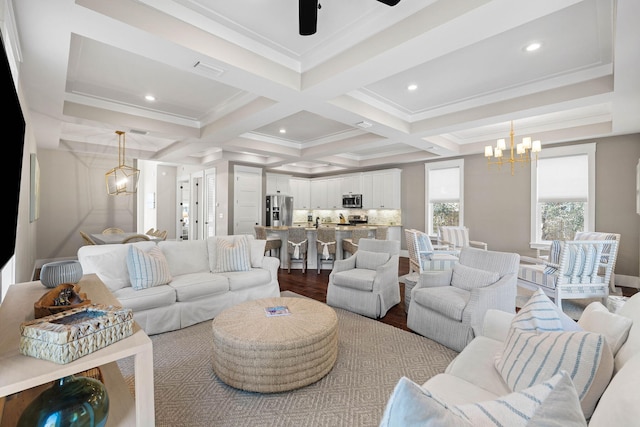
[{"x": 56, "y": 273}]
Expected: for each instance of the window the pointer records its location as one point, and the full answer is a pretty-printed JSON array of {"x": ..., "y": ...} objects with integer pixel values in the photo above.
[
  {"x": 563, "y": 193},
  {"x": 444, "y": 190}
]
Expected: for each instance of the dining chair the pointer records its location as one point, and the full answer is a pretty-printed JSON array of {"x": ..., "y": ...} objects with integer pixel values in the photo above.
[
  {"x": 112, "y": 230},
  {"x": 136, "y": 238},
  {"x": 457, "y": 237},
  {"x": 151, "y": 231},
  {"x": 87, "y": 239}
]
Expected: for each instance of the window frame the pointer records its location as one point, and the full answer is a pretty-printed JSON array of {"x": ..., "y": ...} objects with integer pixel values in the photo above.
[
  {"x": 444, "y": 164},
  {"x": 590, "y": 212}
]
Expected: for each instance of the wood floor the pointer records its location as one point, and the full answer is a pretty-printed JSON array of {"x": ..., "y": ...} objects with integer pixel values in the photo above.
[{"x": 314, "y": 285}]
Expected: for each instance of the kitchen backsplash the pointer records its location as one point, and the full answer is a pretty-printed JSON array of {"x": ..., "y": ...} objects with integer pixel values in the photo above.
[{"x": 376, "y": 216}]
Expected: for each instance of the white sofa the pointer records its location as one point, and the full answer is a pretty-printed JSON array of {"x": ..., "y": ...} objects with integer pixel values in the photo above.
[
  {"x": 195, "y": 293},
  {"x": 472, "y": 377}
]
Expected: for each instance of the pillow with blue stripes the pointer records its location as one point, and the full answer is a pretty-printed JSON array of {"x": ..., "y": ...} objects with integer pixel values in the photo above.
[
  {"x": 233, "y": 255},
  {"x": 553, "y": 402},
  {"x": 147, "y": 269}
]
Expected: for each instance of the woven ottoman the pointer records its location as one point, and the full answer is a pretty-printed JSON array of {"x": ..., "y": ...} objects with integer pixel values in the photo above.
[{"x": 256, "y": 352}]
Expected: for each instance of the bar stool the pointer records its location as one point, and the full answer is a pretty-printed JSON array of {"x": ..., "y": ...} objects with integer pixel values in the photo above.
[
  {"x": 273, "y": 242},
  {"x": 297, "y": 247},
  {"x": 326, "y": 245},
  {"x": 351, "y": 245},
  {"x": 382, "y": 232}
]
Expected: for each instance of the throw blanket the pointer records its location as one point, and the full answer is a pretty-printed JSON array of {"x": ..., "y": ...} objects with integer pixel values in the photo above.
[
  {"x": 325, "y": 248},
  {"x": 296, "y": 248}
]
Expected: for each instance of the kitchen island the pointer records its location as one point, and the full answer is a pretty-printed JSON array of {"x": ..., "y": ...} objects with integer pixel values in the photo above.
[{"x": 342, "y": 232}]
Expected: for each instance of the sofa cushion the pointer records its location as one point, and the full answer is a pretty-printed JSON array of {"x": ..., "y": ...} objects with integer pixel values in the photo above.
[
  {"x": 468, "y": 278},
  {"x": 184, "y": 257},
  {"x": 615, "y": 328},
  {"x": 529, "y": 358},
  {"x": 446, "y": 300},
  {"x": 145, "y": 299},
  {"x": 553, "y": 402},
  {"x": 247, "y": 279},
  {"x": 370, "y": 260},
  {"x": 232, "y": 256},
  {"x": 197, "y": 285},
  {"x": 147, "y": 269}
]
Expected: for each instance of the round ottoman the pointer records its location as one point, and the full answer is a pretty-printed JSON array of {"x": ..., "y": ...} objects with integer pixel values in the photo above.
[{"x": 255, "y": 352}]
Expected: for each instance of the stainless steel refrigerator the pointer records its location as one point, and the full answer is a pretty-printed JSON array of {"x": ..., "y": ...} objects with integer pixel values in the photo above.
[{"x": 279, "y": 210}]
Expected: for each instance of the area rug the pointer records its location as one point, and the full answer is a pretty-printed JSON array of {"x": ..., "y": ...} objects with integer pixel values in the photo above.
[{"x": 372, "y": 357}]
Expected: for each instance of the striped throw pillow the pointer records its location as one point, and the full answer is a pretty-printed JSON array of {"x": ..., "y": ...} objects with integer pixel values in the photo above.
[
  {"x": 147, "y": 269},
  {"x": 554, "y": 256},
  {"x": 553, "y": 402},
  {"x": 529, "y": 358},
  {"x": 233, "y": 255}
]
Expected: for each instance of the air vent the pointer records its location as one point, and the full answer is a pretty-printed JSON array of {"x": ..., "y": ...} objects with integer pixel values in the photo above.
[
  {"x": 209, "y": 69},
  {"x": 138, "y": 132}
]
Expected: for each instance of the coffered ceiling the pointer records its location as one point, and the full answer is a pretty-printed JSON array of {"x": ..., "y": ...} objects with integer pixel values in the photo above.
[{"x": 229, "y": 77}]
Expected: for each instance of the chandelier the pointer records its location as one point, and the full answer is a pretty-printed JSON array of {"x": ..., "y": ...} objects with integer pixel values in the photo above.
[
  {"x": 122, "y": 179},
  {"x": 522, "y": 151}
]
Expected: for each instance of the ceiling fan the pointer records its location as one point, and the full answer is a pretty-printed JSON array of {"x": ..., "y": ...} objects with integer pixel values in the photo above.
[{"x": 308, "y": 14}]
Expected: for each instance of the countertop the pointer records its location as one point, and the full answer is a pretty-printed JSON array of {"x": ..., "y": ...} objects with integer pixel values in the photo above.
[{"x": 338, "y": 227}]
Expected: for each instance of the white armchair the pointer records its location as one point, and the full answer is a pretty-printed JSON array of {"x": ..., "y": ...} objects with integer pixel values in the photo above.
[
  {"x": 367, "y": 282},
  {"x": 423, "y": 256},
  {"x": 448, "y": 306},
  {"x": 574, "y": 269},
  {"x": 457, "y": 237}
]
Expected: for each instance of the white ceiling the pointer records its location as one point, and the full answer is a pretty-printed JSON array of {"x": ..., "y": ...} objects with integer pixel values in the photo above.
[{"x": 228, "y": 75}]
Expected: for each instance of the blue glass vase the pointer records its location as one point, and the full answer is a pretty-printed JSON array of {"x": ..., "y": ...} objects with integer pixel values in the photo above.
[{"x": 71, "y": 402}]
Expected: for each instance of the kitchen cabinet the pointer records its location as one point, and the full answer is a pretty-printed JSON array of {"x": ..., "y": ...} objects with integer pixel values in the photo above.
[
  {"x": 278, "y": 184},
  {"x": 381, "y": 189},
  {"x": 334, "y": 193},
  {"x": 319, "y": 194},
  {"x": 352, "y": 184},
  {"x": 301, "y": 192}
]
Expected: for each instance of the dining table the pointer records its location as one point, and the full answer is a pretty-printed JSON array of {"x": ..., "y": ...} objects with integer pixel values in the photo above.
[{"x": 112, "y": 238}]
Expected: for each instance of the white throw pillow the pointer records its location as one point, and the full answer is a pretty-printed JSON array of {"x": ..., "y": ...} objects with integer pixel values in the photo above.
[
  {"x": 540, "y": 314},
  {"x": 468, "y": 278},
  {"x": 233, "y": 256},
  {"x": 615, "y": 328},
  {"x": 554, "y": 402},
  {"x": 370, "y": 260},
  {"x": 257, "y": 251},
  {"x": 147, "y": 269},
  {"x": 529, "y": 358}
]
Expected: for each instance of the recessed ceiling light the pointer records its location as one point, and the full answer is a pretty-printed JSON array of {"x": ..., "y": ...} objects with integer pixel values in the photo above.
[
  {"x": 150, "y": 97},
  {"x": 412, "y": 87},
  {"x": 532, "y": 47},
  {"x": 283, "y": 130}
]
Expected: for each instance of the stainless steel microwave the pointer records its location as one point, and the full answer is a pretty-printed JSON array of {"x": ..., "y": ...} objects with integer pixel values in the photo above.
[{"x": 352, "y": 201}]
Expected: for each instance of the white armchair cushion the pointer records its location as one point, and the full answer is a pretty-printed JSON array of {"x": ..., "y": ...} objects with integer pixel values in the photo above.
[
  {"x": 468, "y": 278},
  {"x": 615, "y": 328},
  {"x": 370, "y": 260},
  {"x": 554, "y": 402}
]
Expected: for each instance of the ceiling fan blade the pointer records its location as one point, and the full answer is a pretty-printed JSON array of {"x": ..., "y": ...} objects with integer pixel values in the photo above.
[
  {"x": 390, "y": 2},
  {"x": 308, "y": 16}
]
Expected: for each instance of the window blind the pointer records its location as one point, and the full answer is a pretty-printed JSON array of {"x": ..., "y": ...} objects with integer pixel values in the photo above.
[
  {"x": 444, "y": 185},
  {"x": 563, "y": 179}
]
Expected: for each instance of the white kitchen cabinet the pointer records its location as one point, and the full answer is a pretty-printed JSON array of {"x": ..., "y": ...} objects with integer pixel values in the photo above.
[
  {"x": 301, "y": 192},
  {"x": 334, "y": 193},
  {"x": 278, "y": 184},
  {"x": 319, "y": 194},
  {"x": 381, "y": 189},
  {"x": 352, "y": 184}
]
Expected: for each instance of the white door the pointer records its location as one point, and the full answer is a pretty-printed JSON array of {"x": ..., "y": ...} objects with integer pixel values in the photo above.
[
  {"x": 210, "y": 203},
  {"x": 247, "y": 196}
]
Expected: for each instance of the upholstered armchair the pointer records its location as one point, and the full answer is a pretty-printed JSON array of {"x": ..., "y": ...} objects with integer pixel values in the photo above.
[
  {"x": 448, "y": 306},
  {"x": 457, "y": 237},
  {"x": 574, "y": 269},
  {"x": 423, "y": 256},
  {"x": 367, "y": 282}
]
